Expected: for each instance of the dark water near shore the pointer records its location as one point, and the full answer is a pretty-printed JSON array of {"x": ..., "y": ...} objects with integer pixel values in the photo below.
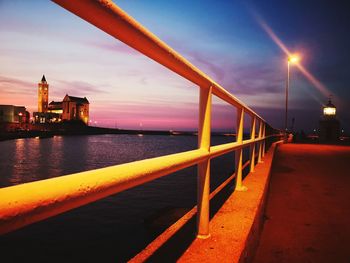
[{"x": 115, "y": 228}]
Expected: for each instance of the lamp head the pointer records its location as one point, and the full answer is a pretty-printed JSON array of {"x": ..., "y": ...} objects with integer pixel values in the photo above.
[
  {"x": 329, "y": 110},
  {"x": 294, "y": 59}
]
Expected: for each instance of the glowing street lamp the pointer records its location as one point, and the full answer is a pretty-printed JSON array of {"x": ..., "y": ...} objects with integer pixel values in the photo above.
[{"x": 293, "y": 59}]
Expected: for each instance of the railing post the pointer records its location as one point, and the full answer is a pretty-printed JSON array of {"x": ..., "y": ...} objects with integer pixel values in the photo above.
[
  {"x": 264, "y": 141},
  {"x": 239, "y": 152},
  {"x": 261, "y": 124},
  {"x": 203, "y": 174},
  {"x": 252, "y": 146}
]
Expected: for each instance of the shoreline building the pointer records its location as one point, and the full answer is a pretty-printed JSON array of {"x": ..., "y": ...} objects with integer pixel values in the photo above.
[
  {"x": 43, "y": 115},
  {"x": 14, "y": 114},
  {"x": 329, "y": 125},
  {"x": 55, "y": 107},
  {"x": 69, "y": 109},
  {"x": 75, "y": 108},
  {"x": 43, "y": 95},
  {"x": 13, "y": 118}
]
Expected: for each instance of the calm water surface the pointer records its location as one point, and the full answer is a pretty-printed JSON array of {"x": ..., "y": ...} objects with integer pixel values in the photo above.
[
  {"x": 26, "y": 160},
  {"x": 115, "y": 228}
]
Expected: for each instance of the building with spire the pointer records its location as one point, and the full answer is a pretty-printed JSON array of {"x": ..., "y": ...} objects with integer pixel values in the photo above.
[
  {"x": 43, "y": 95},
  {"x": 70, "y": 109}
]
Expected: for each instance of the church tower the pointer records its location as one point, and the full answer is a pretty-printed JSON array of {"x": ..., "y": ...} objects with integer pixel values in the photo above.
[{"x": 43, "y": 95}]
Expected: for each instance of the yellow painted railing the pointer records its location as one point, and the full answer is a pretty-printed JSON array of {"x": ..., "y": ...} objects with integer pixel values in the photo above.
[{"x": 27, "y": 203}]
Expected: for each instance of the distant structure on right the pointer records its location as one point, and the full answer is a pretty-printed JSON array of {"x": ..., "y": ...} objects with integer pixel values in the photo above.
[{"x": 329, "y": 126}]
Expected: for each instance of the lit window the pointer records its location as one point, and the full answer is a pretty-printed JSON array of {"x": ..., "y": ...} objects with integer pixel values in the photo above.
[{"x": 329, "y": 111}]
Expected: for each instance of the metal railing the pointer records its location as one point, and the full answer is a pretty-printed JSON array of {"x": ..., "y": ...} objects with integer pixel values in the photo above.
[{"x": 27, "y": 203}]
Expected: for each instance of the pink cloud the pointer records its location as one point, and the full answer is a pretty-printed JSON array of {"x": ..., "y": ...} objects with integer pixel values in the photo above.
[
  {"x": 16, "y": 86},
  {"x": 160, "y": 115},
  {"x": 114, "y": 46},
  {"x": 218, "y": 71},
  {"x": 76, "y": 88},
  {"x": 18, "y": 92}
]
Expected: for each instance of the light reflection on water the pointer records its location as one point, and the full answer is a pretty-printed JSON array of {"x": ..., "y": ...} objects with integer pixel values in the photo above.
[
  {"x": 115, "y": 225},
  {"x": 26, "y": 160},
  {"x": 18, "y": 162}
]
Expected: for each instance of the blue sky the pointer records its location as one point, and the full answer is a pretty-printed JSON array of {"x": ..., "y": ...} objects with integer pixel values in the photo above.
[{"x": 222, "y": 38}]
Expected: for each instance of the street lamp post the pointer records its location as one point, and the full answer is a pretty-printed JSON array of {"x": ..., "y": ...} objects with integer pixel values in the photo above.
[{"x": 291, "y": 60}]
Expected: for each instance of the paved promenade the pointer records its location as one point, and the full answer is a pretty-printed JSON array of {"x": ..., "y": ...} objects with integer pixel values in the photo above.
[{"x": 308, "y": 207}]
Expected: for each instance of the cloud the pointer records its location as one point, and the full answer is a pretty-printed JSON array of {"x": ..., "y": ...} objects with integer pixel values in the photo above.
[
  {"x": 10, "y": 85},
  {"x": 254, "y": 80},
  {"x": 205, "y": 62},
  {"x": 152, "y": 114},
  {"x": 245, "y": 77},
  {"x": 75, "y": 88},
  {"x": 113, "y": 46},
  {"x": 14, "y": 91},
  {"x": 241, "y": 78}
]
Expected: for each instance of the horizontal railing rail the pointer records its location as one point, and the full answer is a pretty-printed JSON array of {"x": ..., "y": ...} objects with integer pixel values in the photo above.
[
  {"x": 171, "y": 230},
  {"x": 111, "y": 19},
  {"x": 27, "y": 203}
]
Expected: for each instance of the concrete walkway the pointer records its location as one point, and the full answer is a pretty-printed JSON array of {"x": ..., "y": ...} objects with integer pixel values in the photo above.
[{"x": 308, "y": 207}]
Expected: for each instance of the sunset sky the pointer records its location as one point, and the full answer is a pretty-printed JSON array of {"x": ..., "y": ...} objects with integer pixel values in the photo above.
[{"x": 225, "y": 39}]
